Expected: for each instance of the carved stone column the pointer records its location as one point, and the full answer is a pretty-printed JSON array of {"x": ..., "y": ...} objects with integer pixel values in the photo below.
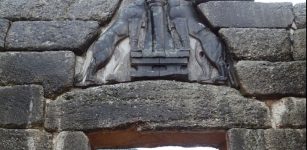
[{"x": 158, "y": 20}]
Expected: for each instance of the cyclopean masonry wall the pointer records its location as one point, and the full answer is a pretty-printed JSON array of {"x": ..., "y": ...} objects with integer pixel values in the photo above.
[{"x": 41, "y": 108}]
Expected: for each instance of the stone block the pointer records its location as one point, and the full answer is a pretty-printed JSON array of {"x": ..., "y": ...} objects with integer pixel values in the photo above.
[
  {"x": 289, "y": 112},
  {"x": 99, "y": 10},
  {"x": 248, "y": 14},
  {"x": 299, "y": 44},
  {"x": 21, "y": 106},
  {"x": 267, "y": 79},
  {"x": 51, "y": 35},
  {"x": 53, "y": 70},
  {"x": 300, "y": 15},
  {"x": 158, "y": 104},
  {"x": 204, "y": 1},
  {"x": 271, "y": 139},
  {"x": 244, "y": 139},
  {"x": 258, "y": 44},
  {"x": 25, "y": 140},
  {"x": 4, "y": 26},
  {"x": 72, "y": 141}
]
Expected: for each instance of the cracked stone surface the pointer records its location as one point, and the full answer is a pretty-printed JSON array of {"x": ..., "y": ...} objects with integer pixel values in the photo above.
[
  {"x": 98, "y": 10},
  {"x": 21, "y": 106},
  {"x": 4, "y": 26},
  {"x": 159, "y": 104},
  {"x": 238, "y": 14},
  {"x": 51, "y": 35},
  {"x": 30, "y": 139},
  {"x": 53, "y": 70},
  {"x": 300, "y": 15},
  {"x": 258, "y": 44},
  {"x": 267, "y": 79}
]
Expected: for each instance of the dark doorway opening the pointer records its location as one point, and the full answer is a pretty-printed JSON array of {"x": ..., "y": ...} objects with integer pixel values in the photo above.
[{"x": 132, "y": 138}]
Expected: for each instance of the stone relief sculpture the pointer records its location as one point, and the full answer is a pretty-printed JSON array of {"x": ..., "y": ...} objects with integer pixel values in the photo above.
[{"x": 156, "y": 39}]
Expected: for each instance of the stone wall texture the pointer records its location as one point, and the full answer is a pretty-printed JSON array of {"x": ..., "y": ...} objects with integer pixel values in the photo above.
[
  {"x": 50, "y": 35},
  {"x": 41, "y": 42}
]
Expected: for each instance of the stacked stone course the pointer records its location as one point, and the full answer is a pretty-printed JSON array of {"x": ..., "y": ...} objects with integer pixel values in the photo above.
[{"x": 40, "y": 108}]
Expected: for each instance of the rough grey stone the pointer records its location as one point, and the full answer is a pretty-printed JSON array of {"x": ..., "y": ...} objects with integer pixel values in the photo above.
[
  {"x": 266, "y": 79},
  {"x": 289, "y": 112},
  {"x": 287, "y": 139},
  {"x": 51, "y": 35},
  {"x": 248, "y": 14},
  {"x": 158, "y": 104},
  {"x": 72, "y": 141},
  {"x": 258, "y": 44},
  {"x": 54, "y": 70},
  {"x": 4, "y": 26},
  {"x": 204, "y": 1},
  {"x": 300, "y": 15},
  {"x": 32, "y": 9},
  {"x": 99, "y": 10},
  {"x": 21, "y": 106},
  {"x": 24, "y": 140},
  {"x": 299, "y": 44},
  {"x": 246, "y": 139}
]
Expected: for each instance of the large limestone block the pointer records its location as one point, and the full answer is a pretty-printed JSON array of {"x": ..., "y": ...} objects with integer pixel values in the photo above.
[
  {"x": 289, "y": 112},
  {"x": 72, "y": 141},
  {"x": 248, "y": 14},
  {"x": 246, "y": 139},
  {"x": 300, "y": 15},
  {"x": 51, "y": 35},
  {"x": 4, "y": 26},
  {"x": 25, "y": 140},
  {"x": 267, "y": 79},
  {"x": 53, "y": 70},
  {"x": 99, "y": 10},
  {"x": 21, "y": 106},
  {"x": 258, "y": 44},
  {"x": 299, "y": 44},
  {"x": 158, "y": 104}
]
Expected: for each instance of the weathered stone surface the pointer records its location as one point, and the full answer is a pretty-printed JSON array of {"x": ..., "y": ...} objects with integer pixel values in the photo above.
[
  {"x": 300, "y": 15},
  {"x": 299, "y": 44},
  {"x": 54, "y": 70},
  {"x": 204, "y": 1},
  {"x": 258, "y": 44},
  {"x": 266, "y": 79},
  {"x": 99, "y": 10},
  {"x": 51, "y": 35},
  {"x": 289, "y": 112},
  {"x": 25, "y": 140},
  {"x": 72, "y": 141},
  {"x": 287, "y": 139},
  {"x": 21, "y": 106},
  {"x": 248, "y": 14},
  {"x": 4, "y": 26},
  {"x": 158, "y": 104},
  {"x": 245, "y": 139}
]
